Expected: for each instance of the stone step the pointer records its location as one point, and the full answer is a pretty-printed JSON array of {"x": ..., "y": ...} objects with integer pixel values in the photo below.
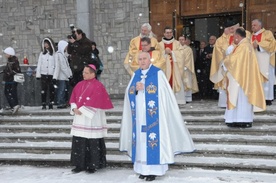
[
  {"x": 37, "y": 137},
  {"x": 114, "y": 137},
  {"x": 181, "y": 161},
  {"x": 188, "y": 119},
  {"x": 203, "y": 150},
  {"x": 198, "y": 108},
  {"x": 115, "y": 127}
]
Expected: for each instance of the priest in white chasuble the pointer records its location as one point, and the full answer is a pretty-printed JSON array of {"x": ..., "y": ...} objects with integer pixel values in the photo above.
[
  {"x": 244, "y": 83},
  {"x": 187, "y": 70},
  {"x": 152, "y": 129},
  {"x": 262, "y": 40},
  {"x": 135, "y": 46},
  {"x": 173, "y": 53}
]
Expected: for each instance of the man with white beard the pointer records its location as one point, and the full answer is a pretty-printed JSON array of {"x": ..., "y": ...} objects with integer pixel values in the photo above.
[{"x": 135, "y": 46}]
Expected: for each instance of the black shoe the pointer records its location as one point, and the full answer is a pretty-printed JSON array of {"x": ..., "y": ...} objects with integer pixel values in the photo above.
[
  {"x": 142, "y": 176},
  {"x": 43, "y": 107},
  {"x": 77, "y": 170},
  {"x": 50, "y": 106},
  {"x": 268, "y": 102},
  {"x": 150, "y": 178},
  {"x": 230, "y": 124},
  {"x": 90, "y": 170},
  {"x": 245, "y": 125}
]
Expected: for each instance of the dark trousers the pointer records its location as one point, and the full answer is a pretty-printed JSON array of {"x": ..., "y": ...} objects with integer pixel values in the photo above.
[
  {"x": 88, "y": 153},
  {"x": 77, "y": 77},
  {"x": 47, "y": 83},
  {"x": 11, "y": 93},
  {"x": 62, "y": 92}
]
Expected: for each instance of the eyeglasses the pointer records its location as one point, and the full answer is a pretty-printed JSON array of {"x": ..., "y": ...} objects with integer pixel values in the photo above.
[{"x": 144, "y": 44}]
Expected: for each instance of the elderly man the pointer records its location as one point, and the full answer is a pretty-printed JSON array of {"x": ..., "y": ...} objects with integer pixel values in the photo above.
[
  {"x": 187, "y": 70},
  {"x": 152, "y": 128},
  {"x": 262, "y": 41},
  {"x": 135, "y": 46},
  {"x": 244, "y": 83}
]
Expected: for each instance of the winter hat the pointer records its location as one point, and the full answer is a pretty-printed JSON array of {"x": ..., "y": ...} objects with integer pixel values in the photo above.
[{"x": 9, "y": 51}]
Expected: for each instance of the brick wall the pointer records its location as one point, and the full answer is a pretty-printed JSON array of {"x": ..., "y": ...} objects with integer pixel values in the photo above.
[
  {"x": 24, "y": 23},
  {"x": 116, "y": 22}
]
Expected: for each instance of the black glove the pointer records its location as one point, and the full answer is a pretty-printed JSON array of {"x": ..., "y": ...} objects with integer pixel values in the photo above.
[
  {"x": 37, "y": 78},
  {"x": 54, "y": 81}
]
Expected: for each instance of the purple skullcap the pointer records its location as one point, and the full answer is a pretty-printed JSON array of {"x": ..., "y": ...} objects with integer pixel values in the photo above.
[{"x": 92, "y": 66}]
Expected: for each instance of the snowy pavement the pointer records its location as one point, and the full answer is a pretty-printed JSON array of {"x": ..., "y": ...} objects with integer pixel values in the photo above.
[{"x": 30, "y": 174}]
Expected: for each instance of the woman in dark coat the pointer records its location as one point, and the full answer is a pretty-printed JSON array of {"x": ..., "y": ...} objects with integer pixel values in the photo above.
[{"x": 9, "y": 71}]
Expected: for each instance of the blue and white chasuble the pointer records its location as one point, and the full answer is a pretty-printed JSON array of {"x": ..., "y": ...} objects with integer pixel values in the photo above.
[
  {"x": 152, "y": 114},
  {"x": 152, "y": 128}
]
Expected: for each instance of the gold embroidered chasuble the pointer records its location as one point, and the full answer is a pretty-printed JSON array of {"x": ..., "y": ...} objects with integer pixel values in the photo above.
[
  {"x": 219, "y": 53},
  {"x": 130, "y": 63},
  {"x": 188, "y": 68},
  {"x": 177, "y": 60},
  {"x": 243, "y": 71},
  {"x": 265, "y": 40}
]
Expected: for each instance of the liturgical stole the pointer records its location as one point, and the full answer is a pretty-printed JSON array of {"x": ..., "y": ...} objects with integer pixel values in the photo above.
[
  {"x": 171, "y": 76},
  {"x": 152, "y": 114}
]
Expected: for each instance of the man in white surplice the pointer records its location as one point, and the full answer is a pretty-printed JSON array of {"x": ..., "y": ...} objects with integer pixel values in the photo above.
[{"x": 152, "y": 129}]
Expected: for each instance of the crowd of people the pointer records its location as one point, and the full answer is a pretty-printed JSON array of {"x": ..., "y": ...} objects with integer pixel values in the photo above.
[
  {"x": 59, "y": 68},
  {"x": 238, "y": 69}
]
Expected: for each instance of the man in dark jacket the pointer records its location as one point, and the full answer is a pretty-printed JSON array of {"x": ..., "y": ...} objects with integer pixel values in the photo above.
[
  {"x": 208, "y": 87},
  {"x": 80, "y": 50}
]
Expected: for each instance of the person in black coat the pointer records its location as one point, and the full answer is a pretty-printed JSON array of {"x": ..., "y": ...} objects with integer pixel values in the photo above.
[
  {"x": 9, "y": 71},
  {"x": 199, "y": 67},
  {"x": 207, "y": 90},
  {"x": 80, "y": 50},
  {"x": 95, "y": 56}
]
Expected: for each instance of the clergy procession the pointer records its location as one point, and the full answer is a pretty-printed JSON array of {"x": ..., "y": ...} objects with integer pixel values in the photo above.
[{"x": 241, "y": 70}]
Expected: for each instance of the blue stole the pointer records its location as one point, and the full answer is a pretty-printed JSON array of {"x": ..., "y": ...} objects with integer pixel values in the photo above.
[{"x": 152, "y": 114}]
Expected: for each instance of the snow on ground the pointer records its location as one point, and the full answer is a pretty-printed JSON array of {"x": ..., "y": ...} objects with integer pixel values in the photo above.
[{"x": 31, "y": 174}]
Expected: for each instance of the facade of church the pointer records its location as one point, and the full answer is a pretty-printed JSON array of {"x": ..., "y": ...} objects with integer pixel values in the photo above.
[{"x": 110, "y": 23}]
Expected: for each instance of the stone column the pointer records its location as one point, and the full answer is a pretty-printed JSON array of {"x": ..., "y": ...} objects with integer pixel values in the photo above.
[{"x": 84, "y": 17}]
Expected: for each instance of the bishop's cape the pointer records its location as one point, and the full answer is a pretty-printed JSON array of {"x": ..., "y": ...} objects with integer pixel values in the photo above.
[{"x": 166, "y": 132}]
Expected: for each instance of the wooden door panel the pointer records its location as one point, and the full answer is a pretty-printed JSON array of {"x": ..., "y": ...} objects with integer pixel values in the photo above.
[
  {"x": 162, "y": 15},
  {"x": 264, "y": 10},
  {"x": 161, "y": 11},
  {"x": 205, "y": 7}
]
